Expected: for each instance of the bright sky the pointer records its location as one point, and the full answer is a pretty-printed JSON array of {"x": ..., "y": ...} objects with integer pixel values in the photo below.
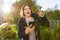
[
  {"x": 44, "y": 3},
  {"x": 49, "y": 4},
  {"x": 7, "y": 5}
]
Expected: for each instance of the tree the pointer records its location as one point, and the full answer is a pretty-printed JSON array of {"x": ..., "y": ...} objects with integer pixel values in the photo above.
[
  {"x": 31, "y": 3},
  {"x": 53, "y": 14}
]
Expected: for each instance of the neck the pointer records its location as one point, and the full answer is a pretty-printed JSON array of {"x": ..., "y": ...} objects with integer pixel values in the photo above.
[{"x": 27, "y": 16}]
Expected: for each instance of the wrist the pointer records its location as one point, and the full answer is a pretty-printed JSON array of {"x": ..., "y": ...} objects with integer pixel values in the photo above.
[{"x": 26, "y": 32}]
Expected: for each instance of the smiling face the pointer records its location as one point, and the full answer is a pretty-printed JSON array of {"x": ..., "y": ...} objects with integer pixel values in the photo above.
[{"x": 27, "y": 11}]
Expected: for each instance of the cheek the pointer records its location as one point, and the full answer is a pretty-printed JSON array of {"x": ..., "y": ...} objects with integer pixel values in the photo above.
[{"x": 30, "y": 11}]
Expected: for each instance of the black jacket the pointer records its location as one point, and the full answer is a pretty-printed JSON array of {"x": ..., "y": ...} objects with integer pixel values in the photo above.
[{"x": 38, "y": 21}]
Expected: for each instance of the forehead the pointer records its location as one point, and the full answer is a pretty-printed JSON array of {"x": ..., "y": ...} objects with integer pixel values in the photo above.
[{"x": 26, "y": 6}]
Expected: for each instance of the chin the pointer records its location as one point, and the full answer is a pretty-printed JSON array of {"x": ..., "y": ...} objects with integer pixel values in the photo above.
[{"x": 28, "y": 15}]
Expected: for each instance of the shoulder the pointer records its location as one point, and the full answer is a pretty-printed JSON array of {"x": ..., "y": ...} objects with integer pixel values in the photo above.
[{"x": 21, "y": 20}]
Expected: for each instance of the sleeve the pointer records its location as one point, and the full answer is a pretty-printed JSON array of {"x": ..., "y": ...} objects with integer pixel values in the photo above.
[
  {"x": 43, "y": 20},
  {"x": 21, "y": 30}
]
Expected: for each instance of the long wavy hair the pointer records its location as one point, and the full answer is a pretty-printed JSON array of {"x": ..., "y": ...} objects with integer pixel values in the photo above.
[{"x": 22, "y": 10}]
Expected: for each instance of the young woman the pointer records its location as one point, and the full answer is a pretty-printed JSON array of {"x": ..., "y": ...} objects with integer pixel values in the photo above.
[{"x": 28, "y": 28}]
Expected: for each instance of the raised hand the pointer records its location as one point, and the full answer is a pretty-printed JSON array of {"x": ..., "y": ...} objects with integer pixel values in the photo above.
[{"x": 41, "y": 14}]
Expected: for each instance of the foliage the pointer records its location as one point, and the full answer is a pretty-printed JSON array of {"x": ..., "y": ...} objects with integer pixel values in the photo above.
[
  {"x": 9, "y": 32},
  {"x": 31, "y": 3},
  {"x": 53, "y": 14},
  {"x": 50, "y": 34},
  {"x": 55, "y": 33},
  {"x": 45, "y": 33}
]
